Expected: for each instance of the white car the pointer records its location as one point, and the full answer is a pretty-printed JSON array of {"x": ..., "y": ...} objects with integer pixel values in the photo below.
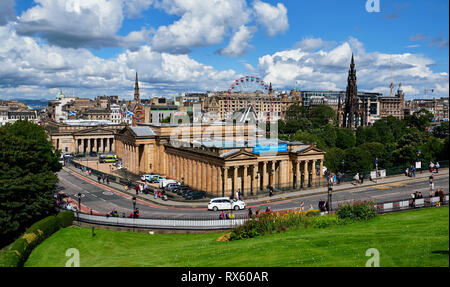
[{"x": 225, "y": 203}]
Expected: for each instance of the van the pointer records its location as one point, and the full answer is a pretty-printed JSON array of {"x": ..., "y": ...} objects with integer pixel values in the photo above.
[{"x": 163, "y": 183}]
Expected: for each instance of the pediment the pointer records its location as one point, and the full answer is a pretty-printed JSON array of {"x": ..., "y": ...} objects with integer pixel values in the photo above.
[
  {"x": 239, "y": 155},
  {"x": 308, "y": 150},
  {"x": 94, "y": 131}
]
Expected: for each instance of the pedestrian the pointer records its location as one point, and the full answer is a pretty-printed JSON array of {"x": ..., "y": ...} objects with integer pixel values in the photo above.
[
  {"x": 137, "y": 189},
  {"x": 98, "y": 178},
  {"x": 441, "y": 196},
  {"x": 437, "y": 166},
  {"x": 310, "y": 207},
  {"x": 141, "y": 188},
  {"x": 413, "y": 171},
  {"x": 339, "y": 176},
  {"x": 89, "y": 172},
  {"x": 155, "y": 193},
  {"x": 250, "y": 213},
  {"x": 107, "y": 179},
  {"x": 327, "y": 206},
  {"x": 356, "y": 178},
  {"x": 270, "y": 191},
  {"x": 431, "y": 166},
  {"x": 431, "y": 189},
  {"x": 302, "y": 206},
  {"x": 361, "y": 178},
  {"x": 237, "y": 194},
  {"x": 222, "y": 215},
  {"x": 268, "y": 210},
  {"x": 257, "y": 212}
]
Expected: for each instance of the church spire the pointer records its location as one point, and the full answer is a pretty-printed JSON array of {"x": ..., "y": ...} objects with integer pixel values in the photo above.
[{"x": 136, "y": 90}]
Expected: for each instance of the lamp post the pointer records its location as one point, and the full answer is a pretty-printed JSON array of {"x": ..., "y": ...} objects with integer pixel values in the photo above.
[
  {"x": 182, "y": 181},
  {"x": 79, "y": 205},
  {"x": 330, "y": 190},
  {"x": 376, "y": 167},
  {"x": 256, "y": 183},
  {"x": 134, "y": 205}
]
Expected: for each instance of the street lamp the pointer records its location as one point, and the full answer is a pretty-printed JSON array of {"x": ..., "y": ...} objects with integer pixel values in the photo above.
[
  {"x": 256, "y": 183},
  {"x": 182, "y": 181},
  {"x": 330, "y": 190},
  {"x": 134, "y": 205},
  {"x": 79, "y": 205},
  {"x": 376, "y": 166}
]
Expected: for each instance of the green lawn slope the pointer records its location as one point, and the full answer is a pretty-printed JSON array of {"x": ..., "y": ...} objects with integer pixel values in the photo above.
[{"x": 410, "y": 238}]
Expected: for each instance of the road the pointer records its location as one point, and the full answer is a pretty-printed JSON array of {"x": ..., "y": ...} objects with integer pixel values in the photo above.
[{"x": 103, "y": 200}]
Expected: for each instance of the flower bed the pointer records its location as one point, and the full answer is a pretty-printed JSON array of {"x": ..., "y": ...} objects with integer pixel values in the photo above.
[{"x": 270, "y": 222}]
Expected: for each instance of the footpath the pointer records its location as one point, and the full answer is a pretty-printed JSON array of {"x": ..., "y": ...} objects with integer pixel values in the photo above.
[{"x": 277, "y": 197}]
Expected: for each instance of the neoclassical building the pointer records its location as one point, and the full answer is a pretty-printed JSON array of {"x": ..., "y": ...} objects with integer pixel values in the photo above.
[
  {"x": 83, "y": 136},
  {"x": 233, "y": 159}
]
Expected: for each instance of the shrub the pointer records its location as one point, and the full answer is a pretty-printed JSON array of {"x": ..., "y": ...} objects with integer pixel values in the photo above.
[
  {"x": 65, "y": 218},
  {"x": 18, "y": 252},
  {"x": 357, "y": 210}
]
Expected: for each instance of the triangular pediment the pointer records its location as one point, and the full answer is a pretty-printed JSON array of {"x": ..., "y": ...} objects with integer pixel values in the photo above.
[
  {"x": 308, "y": 150},
  {"x": 239, "y": 155},
  {"x": 128, "y": 132},
  {"x": 94, "y": 131}
]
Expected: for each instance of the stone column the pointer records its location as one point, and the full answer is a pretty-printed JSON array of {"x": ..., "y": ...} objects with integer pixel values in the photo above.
[
  {"x": 88, "y": 150},
  {"x": 280, "y": 173},
  {"x": 255, "y": 181},
  {"x": 235, "y": 175},
  {"x": 219, "y": 180},
  {"x": 111, "y": 140},
  {"x": 321, "y": 171},
  {"x": 265, "y": 176},
  {"x": 245, "y": 180},
  {"x": 313, "y": 173},
  {"x": 306, "y": 171},
  {"x": 225, "y": 180}
]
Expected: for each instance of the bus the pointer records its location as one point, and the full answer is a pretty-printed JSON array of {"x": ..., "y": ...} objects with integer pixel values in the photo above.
[{"x": 107, "y": 158}]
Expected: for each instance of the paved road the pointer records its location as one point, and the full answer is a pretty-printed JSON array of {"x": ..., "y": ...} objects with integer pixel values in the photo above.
[{"x": 103, "y": 200}]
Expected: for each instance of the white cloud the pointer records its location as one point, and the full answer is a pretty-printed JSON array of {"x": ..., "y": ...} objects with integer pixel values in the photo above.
[
  {"x": 239, "y": 43},
  {"x": 134, "y": 8},
  {"x": 41, "y": 67},
  {"x": 328, "y": 69},
  {"x": 201, "y": 23},
  {"x": 273, "y": 18},
  {"x": 79, "y": 23}
]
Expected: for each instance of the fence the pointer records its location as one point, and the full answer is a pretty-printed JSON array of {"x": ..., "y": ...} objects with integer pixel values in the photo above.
[
  {"x": 411, "y": 204},
  {"x": 181, "y": 224}
]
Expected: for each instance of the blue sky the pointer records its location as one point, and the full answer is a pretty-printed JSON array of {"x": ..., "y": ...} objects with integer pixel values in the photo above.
[{"x": 306, "y": 45}]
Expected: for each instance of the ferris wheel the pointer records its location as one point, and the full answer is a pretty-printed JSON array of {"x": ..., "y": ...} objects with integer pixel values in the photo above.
[{"x": 247, "y": 84}]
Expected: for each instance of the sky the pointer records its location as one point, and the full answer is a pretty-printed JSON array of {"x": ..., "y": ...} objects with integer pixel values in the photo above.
[{"x": 88, "y": 48}]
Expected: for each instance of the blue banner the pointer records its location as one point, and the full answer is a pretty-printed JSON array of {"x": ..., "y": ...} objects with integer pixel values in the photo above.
[{"x": 270, "y": 148}]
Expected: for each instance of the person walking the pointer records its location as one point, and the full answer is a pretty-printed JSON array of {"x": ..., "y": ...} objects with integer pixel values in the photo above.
[
  {"x": 441, "y": 196},
  {"x": 137, "y": 189},
  {"x": 302, "y": 206},
  {"x": 155, "y": 193},
  {"x": 257, "y": 212},
  {"x": 250, "y": 213},
  {"x": 356, "y": 178},
  {"x": 437, "y": 166}
]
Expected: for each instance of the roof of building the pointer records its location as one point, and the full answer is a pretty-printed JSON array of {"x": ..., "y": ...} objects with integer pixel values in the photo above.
[
  {"x": 301, "y": 148},
  {"x": 143, "y": 131}
]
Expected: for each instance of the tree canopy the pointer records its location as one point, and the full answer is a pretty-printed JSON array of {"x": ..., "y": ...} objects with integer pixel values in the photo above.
[{"x": 27, "y": 177}]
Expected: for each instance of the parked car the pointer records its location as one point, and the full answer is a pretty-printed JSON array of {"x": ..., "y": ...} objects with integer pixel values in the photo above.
[
  {"x": 163, "y": 183},
  {"x": 225, "y": 203},
  {"x": 195, "y": 195},
  {"x": 171, "y": 186},
  {"x": 182, "y": 189},
  {"x": 152, "y": 178}
]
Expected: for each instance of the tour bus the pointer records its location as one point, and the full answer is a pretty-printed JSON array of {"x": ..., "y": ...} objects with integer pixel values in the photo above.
[{"x": 107, "y": 158}]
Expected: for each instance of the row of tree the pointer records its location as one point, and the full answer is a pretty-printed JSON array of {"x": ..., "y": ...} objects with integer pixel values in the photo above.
[{"x": 392, "y": 141}]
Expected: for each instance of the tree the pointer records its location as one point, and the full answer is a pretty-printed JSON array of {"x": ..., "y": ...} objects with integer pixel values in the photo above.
[
  {"x": 328, "y": 135},
  {"x": 296, "y": 112},
  {"x": 420, "y": 119},
  {"x": 366, "y": 134},
  {"x": 309, "y": 138},
  {"x": 357, "y": 160},
  {"x": 27, "y": 177},
  {"x": 321, "y": 115},
  {"x": 345, "y": 138},
  {"x": 333, "y": 159},
  {"x": 441, "y": 131},
  {"x": 390, "y": 129},
  {"x": 407, "y": 147},
  {"x": 377, "y": 150}
]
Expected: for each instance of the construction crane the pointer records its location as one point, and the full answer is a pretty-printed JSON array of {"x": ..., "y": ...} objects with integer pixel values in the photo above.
[{"x": 428, "y": 90}]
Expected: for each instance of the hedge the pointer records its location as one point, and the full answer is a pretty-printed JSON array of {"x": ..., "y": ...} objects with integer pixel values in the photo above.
[{"x": 17, "y": 253}]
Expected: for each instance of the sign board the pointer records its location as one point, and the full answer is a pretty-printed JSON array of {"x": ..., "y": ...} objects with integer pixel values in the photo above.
[
  {"x": 270, "y": 148},
  {"x": 418, "y": 164},
  {"x": 381, "y": 174}
]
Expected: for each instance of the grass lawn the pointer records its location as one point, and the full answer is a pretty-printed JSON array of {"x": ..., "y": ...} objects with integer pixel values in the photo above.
[{"x": 410, "y": 238}]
